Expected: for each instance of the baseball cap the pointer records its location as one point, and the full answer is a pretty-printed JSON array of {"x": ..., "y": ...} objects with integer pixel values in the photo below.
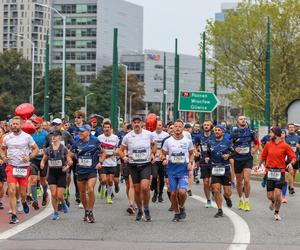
[
  {"x": 57, "y": 121},
  {"x": 93, "y": 119},
  {"x": 136, "y": 117},
  {"x": 85, "y": 127},
  {"x": 222, "y": 127},
  {"x": 56, "y": 132},
  {"x": 38, "y": 120}
]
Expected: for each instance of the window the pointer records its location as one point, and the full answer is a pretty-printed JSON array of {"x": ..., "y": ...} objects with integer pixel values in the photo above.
[
  {"x": 92, "y": 9},
  {"x": 135, "y": 66},
  {"x": 58, "y": 32},
  {"x": 81, "y": 8},
  {"x": 58, "y": 44}
]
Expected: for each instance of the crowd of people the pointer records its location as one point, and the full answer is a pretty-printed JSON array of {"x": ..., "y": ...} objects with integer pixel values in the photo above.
[{"x": 173, "y": 156}]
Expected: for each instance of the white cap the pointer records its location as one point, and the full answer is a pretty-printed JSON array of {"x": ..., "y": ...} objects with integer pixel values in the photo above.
[{"x": 57, "y": 121}]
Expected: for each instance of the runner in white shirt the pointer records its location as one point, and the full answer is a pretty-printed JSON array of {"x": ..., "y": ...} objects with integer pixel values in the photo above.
[
  {"x": 141, "y": 149},
  {"x": 108, "y": 154},
  {"x": 17, "y": 147},
  {"x": 158, "y": 171}
]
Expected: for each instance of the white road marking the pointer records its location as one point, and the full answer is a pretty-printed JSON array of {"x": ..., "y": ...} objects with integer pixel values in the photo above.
[
  {"x": 241, "y": 237},
  {"x": 28, "y": 223}
]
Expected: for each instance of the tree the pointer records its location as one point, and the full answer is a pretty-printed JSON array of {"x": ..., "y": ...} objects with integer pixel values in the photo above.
[
  {"x": 240, "y": 48},
  {"x": 99, "y": 103},
  {"x": 15, "y": 81},
  {"x": 75, "y": 93}
]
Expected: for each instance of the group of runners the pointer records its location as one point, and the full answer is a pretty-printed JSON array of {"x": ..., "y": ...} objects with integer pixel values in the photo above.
[{"x": 168, "y": 158}]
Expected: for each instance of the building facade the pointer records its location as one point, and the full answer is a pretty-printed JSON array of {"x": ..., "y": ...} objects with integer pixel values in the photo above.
[
  {"x": 22, "y": 18},
  {"x": 89, "y": 33}
]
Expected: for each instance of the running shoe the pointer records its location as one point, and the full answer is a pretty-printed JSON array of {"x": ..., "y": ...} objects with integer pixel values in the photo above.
[
  {"x": 160, "y": 198},
  {"x": 25, "y": 207},
  {"x": 241, "y": 205},
  {"x": 102, "y": 194},
  {"x": 90, "y": 217},
  {"x": 67, "y": 202},
  {"x": 147, "y": 215},
  {"x": 171, "y": 209},
  {"x": 85, "y": 215},
  {"x": 45, "y": 199},
  {"x": 154, "y": 197},
  {"x": 65, "y": 208},
  {"x": 277, "y": 217},
  {"x": 19, "y": 207},
  {"x": 55, "y": 216},
  {"x": 130, "y": 210},
  {"x": 190, "y": 192},
  {"x": 228, "y": 201},
  {"x": 39, "y": 192},
  {"x": 219, "y": 213},
  {"x": 80, "y": 205},
  {"x": 35, "y": 205},
  {"x": 208, "y": 204},
  {"x": 109, "y": 200},
  {"x": 29, "y": 199},
  {"x": 292, "y": 191},
  {"x": 182, "y": 214},
  {"x": 139, "y": 215},
  {"x": 264, "y": 183},
  {"x": 247, "y": 206},
  {"x": 283, "y": 199},
  {"x": 176, "y": 218},
  {"x": 117, "y": 188},
  {"x": 14, "y": 219}
]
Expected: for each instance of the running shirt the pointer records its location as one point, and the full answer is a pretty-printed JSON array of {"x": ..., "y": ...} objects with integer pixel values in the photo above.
[
  {"x": 187, "y": 135},
  {"x": 18, "y": 146},
  {"x": 87, "y": 155},
  {"x": 243, "y": 139},
  {"x": 139, "y": 146},
  {"x": 66, "y": 139},
  {"x": 109, "y": 144},
  {"x": 293, "y": 140},
  {"x": 202, "y": 142},
  {"x": 215, "y": 151},
  {"x": 159, "y": 138},
  {"x": 56, "y": 158},
  {"x": 40, "y": 139},
  {"x": 195, "y": 136},
  {"x": 96, "y": 131},
  {"x": 178, "y": 152}
]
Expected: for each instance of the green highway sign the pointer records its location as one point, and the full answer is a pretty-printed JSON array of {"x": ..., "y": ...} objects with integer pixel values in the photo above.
[{"x": 197, "y": 101}]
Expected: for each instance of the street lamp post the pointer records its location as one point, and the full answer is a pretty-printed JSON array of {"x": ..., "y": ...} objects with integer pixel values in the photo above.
[
  {"x": 64, "y": 58},
  {"x": 32, "y": 70},
  {"x": 130, "y": 104},
  {"x": 85, "y": 103},
  {"x": 126, "y": 90}
]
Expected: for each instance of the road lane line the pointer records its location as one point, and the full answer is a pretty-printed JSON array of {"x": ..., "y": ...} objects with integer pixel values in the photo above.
[
  {"x": 28, "y": 223},
  {"x": 241, "y": 237}
]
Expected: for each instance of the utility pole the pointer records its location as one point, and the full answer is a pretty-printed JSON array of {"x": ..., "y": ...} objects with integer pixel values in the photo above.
[
  {"x": 268, "y": 76},
  {"x": 203, "y": 73},
  {"x": 176, "y": 83},
  {"x": 164, "y": 108},
  {"x": 46, "y": 81},
  {"x": 114, "y": 89},
  {"x": 215, "y": 112}
]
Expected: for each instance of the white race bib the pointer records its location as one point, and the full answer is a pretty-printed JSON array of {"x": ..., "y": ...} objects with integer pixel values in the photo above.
[
  {"x": 139, "y": 155},
  {"x": 41, "y": 151},
  {"x": 218, "y": 171},
  {"x": 244, "y": 150},
  {"x": 55, "y": 163},
  {"x": 177, "y": 159},
  {"x": 85, "y": 162},
  {"x": 109, "y": 151},
  {"x": 19, "y": 172},
  {"x": 204, "y": 147},
  {"x": 274, "y": 175}
]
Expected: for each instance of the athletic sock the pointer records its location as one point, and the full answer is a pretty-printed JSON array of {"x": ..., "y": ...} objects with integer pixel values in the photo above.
[
  {"x": 109, "y": 191},
  {"x": 45, "y": 188},
  {"x": 34, "y": 193},
  {"x": 246, "y": 199},
  {"x": 284, "y": 189}
]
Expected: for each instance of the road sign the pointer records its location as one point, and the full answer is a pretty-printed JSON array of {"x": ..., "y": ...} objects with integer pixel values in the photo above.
[{"x": 197, "y": 101}]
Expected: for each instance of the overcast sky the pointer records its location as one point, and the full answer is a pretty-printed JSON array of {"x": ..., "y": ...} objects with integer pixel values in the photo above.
[{"x": 164, "y": 20}]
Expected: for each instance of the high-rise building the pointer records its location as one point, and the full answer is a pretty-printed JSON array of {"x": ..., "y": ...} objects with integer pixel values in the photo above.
[
  {"x": 23, "y": 22},
  {"x": 89, "y": 33}
]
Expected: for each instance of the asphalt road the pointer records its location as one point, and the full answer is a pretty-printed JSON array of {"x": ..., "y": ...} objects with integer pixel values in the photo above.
[{"x": 115, "y": 229}]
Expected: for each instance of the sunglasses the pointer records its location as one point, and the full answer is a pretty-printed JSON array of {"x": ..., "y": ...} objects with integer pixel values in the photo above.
[
  {"x": 55, "y": 124},
  {"x": 78, "y": 117}
]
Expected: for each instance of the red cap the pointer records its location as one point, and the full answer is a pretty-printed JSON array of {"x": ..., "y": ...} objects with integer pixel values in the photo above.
[
  {"x": 93, "y": 119},
  {"x": 38, "y": 120}
]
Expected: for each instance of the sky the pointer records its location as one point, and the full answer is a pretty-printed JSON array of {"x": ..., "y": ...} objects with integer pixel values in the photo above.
[{"x": 165, "y": 20}]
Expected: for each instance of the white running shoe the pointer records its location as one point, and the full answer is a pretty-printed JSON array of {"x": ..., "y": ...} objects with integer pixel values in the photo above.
[
  {"x": 19, "y": 207},
  {"x": 277, "y": 217},
  {"x": 80, "y": 205}
]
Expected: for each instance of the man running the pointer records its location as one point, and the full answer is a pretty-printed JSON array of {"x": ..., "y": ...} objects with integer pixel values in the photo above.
[
  {"x": 35, "y": 171},
  {"x": 294, "y": 141},
  {"x": 201, "y": 144},
  {"x": 95, "y": 130},
  {"x": 195, "y": 135},
  {"x": 274, "y": 154},
  {"x": 108, "y": 154},
  {"x": 59, "y": 162},
  {"x": 243, "y": 139},
  {"x": 86, "y": 152},
  {"x": 181, "y": 159},
  {"x": 17, "y": 146},
  {"x": 218, "y": 153},
  {"x": 158, "y": 171},
  {"x": 140, "y": 148}
]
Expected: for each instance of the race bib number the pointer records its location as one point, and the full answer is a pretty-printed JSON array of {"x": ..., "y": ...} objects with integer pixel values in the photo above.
[
  {"x": 85, "y": 162},
  {"x": 204, "y": 148},
  {"x": 19, "y": 172},
  {"x": 139, "y": 155},
  {"x": 159, "y": 144},
  {"x": 41, "y": 151},
  {"x": 274, "y": 174},
  {"x": 55, "y": 163},
  {"x": 244, "y": 150},
  {"x": 177, "y": 158},
  {"x": 218, "y": 171},
  {"x": 109, "y": 151},
  {"x": 294, "y": 149}
]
